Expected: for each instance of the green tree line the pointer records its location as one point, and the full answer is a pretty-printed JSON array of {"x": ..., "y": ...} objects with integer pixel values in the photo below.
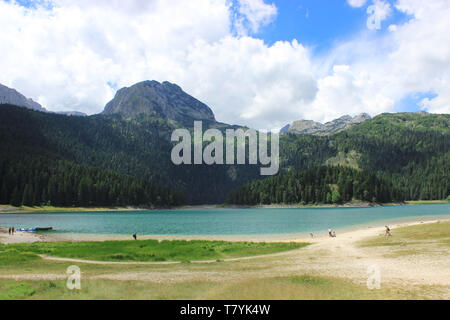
[
  {"x": 314, "y": 186},
  {"x": 36, "y": 181}
]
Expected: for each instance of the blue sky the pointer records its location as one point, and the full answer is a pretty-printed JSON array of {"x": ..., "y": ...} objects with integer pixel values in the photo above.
[{"x": 320, "y": 23}]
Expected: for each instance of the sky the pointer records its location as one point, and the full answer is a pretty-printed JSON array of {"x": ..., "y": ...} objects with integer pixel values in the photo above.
[{"x": 259, "y": 63}]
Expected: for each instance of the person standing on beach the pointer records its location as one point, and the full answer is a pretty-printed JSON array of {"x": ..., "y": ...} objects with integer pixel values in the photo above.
[
  {"x": 135, "y": 236},
  {"x": 9, "y": 231},
  {"x": 388, "y": 231},
  {"x": 329, "y": 233}
]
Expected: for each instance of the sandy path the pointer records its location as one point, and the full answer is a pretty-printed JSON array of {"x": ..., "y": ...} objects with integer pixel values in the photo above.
[{"x": 280, "y": 254}]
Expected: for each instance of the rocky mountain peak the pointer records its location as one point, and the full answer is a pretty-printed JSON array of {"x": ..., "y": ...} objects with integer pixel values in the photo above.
[
  {"x": 317, "y": 128},
  {"x": 11, "y": 96},
  {"x": 162, "y": 100}
]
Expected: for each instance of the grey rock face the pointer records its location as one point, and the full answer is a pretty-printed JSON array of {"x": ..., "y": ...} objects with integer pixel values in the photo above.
[
  {"x": 11, "y": 96},
  {"x": 305, "y": 127},
  {"x": 163, "y": 100},
  {"x": 317, "y": 128},
  {"x": 361, "y": 118}
]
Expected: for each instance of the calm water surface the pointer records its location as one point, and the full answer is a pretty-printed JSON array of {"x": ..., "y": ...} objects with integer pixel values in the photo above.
[{"x": 220, "y": 221}]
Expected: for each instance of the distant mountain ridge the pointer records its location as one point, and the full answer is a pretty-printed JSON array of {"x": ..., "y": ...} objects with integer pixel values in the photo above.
[
  {"x": 310, "y": 127},
  {"x": 161, "y": 100},
  {"x": 12, "y": 96}
]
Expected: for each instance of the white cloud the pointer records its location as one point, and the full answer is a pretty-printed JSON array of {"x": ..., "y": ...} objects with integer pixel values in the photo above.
[
  {"x": 65, "y": 53},
  {"x": 257, "y": 13},
  {"x": 356, "y": 3},
  {"x": 414, "y": 57},
  {"x": 251, "y": 83}
]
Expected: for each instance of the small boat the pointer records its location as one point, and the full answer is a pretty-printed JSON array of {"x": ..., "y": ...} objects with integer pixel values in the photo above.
[
  {"x": 34, "y": 229},
  {"x": 44, "y": 229},
  {"x": 26, "y": 229}
]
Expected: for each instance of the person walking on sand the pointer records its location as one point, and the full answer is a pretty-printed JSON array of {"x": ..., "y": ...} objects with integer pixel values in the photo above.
[
  {"x": 9, "y": 230},
  {"x": 334, "y": 234},
  {"x": 135, "y": 236},
  {"x": 329, "y": 233},
  {"x": 388, "y": 231}
]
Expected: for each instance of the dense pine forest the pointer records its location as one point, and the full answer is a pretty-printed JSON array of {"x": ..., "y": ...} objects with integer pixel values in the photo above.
[
  {"x": 108, "y": 160},
  {"x": 324, "y": 185},
  {"x": 408, "y": 151},
  {"x": 138, "y": 148},
  {"x": 40, "y": 181}
]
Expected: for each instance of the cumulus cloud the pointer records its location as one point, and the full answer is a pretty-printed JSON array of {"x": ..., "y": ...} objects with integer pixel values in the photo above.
[
  {"x": 255, "y": 14},
  {"x": 74, "y": 55},
  {"x": 251, "y": 83}
]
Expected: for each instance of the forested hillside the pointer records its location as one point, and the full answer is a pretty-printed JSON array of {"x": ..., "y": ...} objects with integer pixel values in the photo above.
[
  {"x": 316, "y": 185},
  {"x": 35, "y": 181},
  {"x": 139, "y": 148},
  {"x": 405, "y": 155},
  {"x": 114, "y": 159}
]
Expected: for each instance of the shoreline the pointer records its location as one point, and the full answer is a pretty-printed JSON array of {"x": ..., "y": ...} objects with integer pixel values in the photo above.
[
  {"x": 344, "y": 232},
  {"x": 8, "y": 209}
]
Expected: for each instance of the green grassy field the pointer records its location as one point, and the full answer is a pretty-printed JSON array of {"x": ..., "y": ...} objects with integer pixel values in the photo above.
[
  {"x": 279, "y": 288},
  {"x": 145, "y": 250}
]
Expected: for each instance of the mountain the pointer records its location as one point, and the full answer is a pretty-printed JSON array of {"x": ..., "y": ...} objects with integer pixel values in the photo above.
[
  {"x": 11, "y": 96},
  {"x": 316, "y": 128},
  {"x": 165, "y": 100},
  {"x": 114, "y": 159},
  {"x": 392, "y": 157}
]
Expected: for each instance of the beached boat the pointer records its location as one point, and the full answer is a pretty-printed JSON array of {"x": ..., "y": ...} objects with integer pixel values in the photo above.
[
  {"x": 44, "y": 229},
  {"x": 26, "y": 229},
  {"x": 34, "y": 229}
]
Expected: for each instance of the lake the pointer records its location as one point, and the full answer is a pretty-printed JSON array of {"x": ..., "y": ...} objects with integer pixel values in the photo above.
[{"x": 222, "y": 221}]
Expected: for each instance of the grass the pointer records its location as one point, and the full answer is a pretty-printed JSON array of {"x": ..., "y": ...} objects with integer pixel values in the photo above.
[
  {"x": 428, "y": 202},
  {"x": 412, "y": 235},
  {"x": 413, "y": 240},
  {"x": 292, "y": 287},
  {"x": 9, "y": 256},
  {"x": 151, "y": 250}
]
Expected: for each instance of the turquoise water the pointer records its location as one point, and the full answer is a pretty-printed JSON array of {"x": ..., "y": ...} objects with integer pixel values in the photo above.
[{"x": 219, "y": 221}]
